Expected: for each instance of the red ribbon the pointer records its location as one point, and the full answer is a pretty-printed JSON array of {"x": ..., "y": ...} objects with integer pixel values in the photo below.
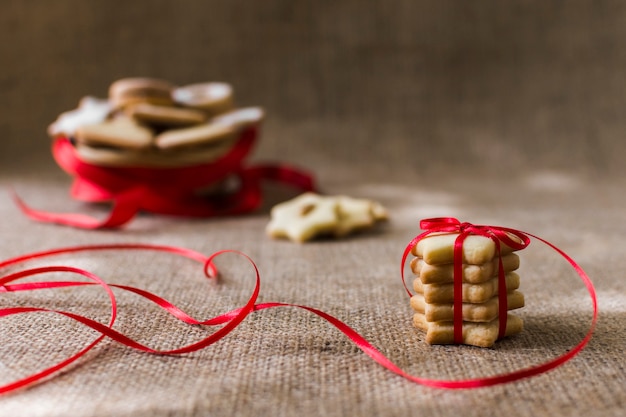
[
  {"x": 171, "y": 191},
  {"x": 231, "y": 319}
]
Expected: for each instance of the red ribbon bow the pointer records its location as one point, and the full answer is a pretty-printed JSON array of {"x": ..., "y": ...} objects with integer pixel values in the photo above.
[{"x": 173, "y": 191}]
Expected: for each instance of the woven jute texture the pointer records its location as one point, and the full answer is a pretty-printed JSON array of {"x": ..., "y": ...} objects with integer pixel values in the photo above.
[{"x": 498, "y": 113}]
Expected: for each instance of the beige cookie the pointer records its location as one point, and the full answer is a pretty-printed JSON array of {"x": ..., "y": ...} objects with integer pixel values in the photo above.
[
  {"x": 311, "y": 215},
  {"x": 303, "y": 218},
  {"x": 213, "y": 97},
  {"x": 379, "y": 212},
  {"x": 129, "y": 91},
  {"x": 90, "y": 111},
  {"x": 475, "y": 334},
  {"x": 198, "y": 135},
  {"x": 474, "y": 274},
  {"x": 165, "y": 116},
  {"x": 484, "y": 312},
  {"x": 438, "y": 249},
  {"x": 241, "y": 118},
  {"x": 121, "y": 132},
  {"x": 357, "y": 214},
  {"x": 152, "y": 158},
  {"x": 471, "y": 293}
]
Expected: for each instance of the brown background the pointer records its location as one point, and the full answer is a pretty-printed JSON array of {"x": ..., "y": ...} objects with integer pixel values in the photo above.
[
  {"x": 515, "y": 84},
  {"x": 507, "y": 113}
]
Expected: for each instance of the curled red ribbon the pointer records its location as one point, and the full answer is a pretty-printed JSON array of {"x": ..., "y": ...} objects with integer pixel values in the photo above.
[
  {"x": 231, "y": 319},
  {"x": 171, "y": 191}
]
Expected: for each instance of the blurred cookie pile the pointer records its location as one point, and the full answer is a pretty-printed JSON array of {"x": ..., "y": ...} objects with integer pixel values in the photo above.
[
  {"x": 147, "y": 122},
  {"x": 433, "y": 302}
]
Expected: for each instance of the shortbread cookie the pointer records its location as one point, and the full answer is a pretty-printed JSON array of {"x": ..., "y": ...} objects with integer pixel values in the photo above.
[
  {"x": 129, "y": 91},
  {"x": 121, "y": 132},
  {"x": 311, "y": 215},
  {"x": 204, "y": 134},
  {"x": 165, "y": 115},
  {"x": 471, "y": 293},
  {"x": 90, "y": 111},
  {"x": 213, "y": 98},
  {"x": 378, "y": 211},
  {"x": 471, "y": 312},
  {"x": 475, "y": 334},
  {"x": 303, "y": 218},
  {"x": 240, "y": 118},
  {"x": 438, "y": 249},
  {"x": 152, "y": 158},
  {"x": 357, "y": 214},
  {"x": 474, "y": 274}
]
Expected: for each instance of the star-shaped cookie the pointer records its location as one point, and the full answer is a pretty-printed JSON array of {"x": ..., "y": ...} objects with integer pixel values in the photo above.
[{"x": 311, "y": 215}]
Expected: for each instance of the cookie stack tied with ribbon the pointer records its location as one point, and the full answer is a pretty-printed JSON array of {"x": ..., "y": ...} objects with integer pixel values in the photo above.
[{"x": 466, "y": 284}]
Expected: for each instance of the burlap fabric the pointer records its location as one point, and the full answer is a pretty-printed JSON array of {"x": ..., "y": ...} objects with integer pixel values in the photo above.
[{"x": 502, "y": 113}]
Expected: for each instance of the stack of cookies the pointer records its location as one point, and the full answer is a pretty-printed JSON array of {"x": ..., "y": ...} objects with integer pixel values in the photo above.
[
  {"x": 147, "y": 122},
  {"x": 433, "y": 302}
]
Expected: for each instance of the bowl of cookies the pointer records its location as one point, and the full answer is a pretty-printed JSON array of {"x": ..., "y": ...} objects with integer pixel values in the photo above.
[
  {"x": 156, "y": 147},
  {"x": 151, "y": 123}
]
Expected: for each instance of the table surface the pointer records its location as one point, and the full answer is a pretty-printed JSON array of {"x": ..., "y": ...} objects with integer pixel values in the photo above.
[{"x": 285, "y": 361}]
